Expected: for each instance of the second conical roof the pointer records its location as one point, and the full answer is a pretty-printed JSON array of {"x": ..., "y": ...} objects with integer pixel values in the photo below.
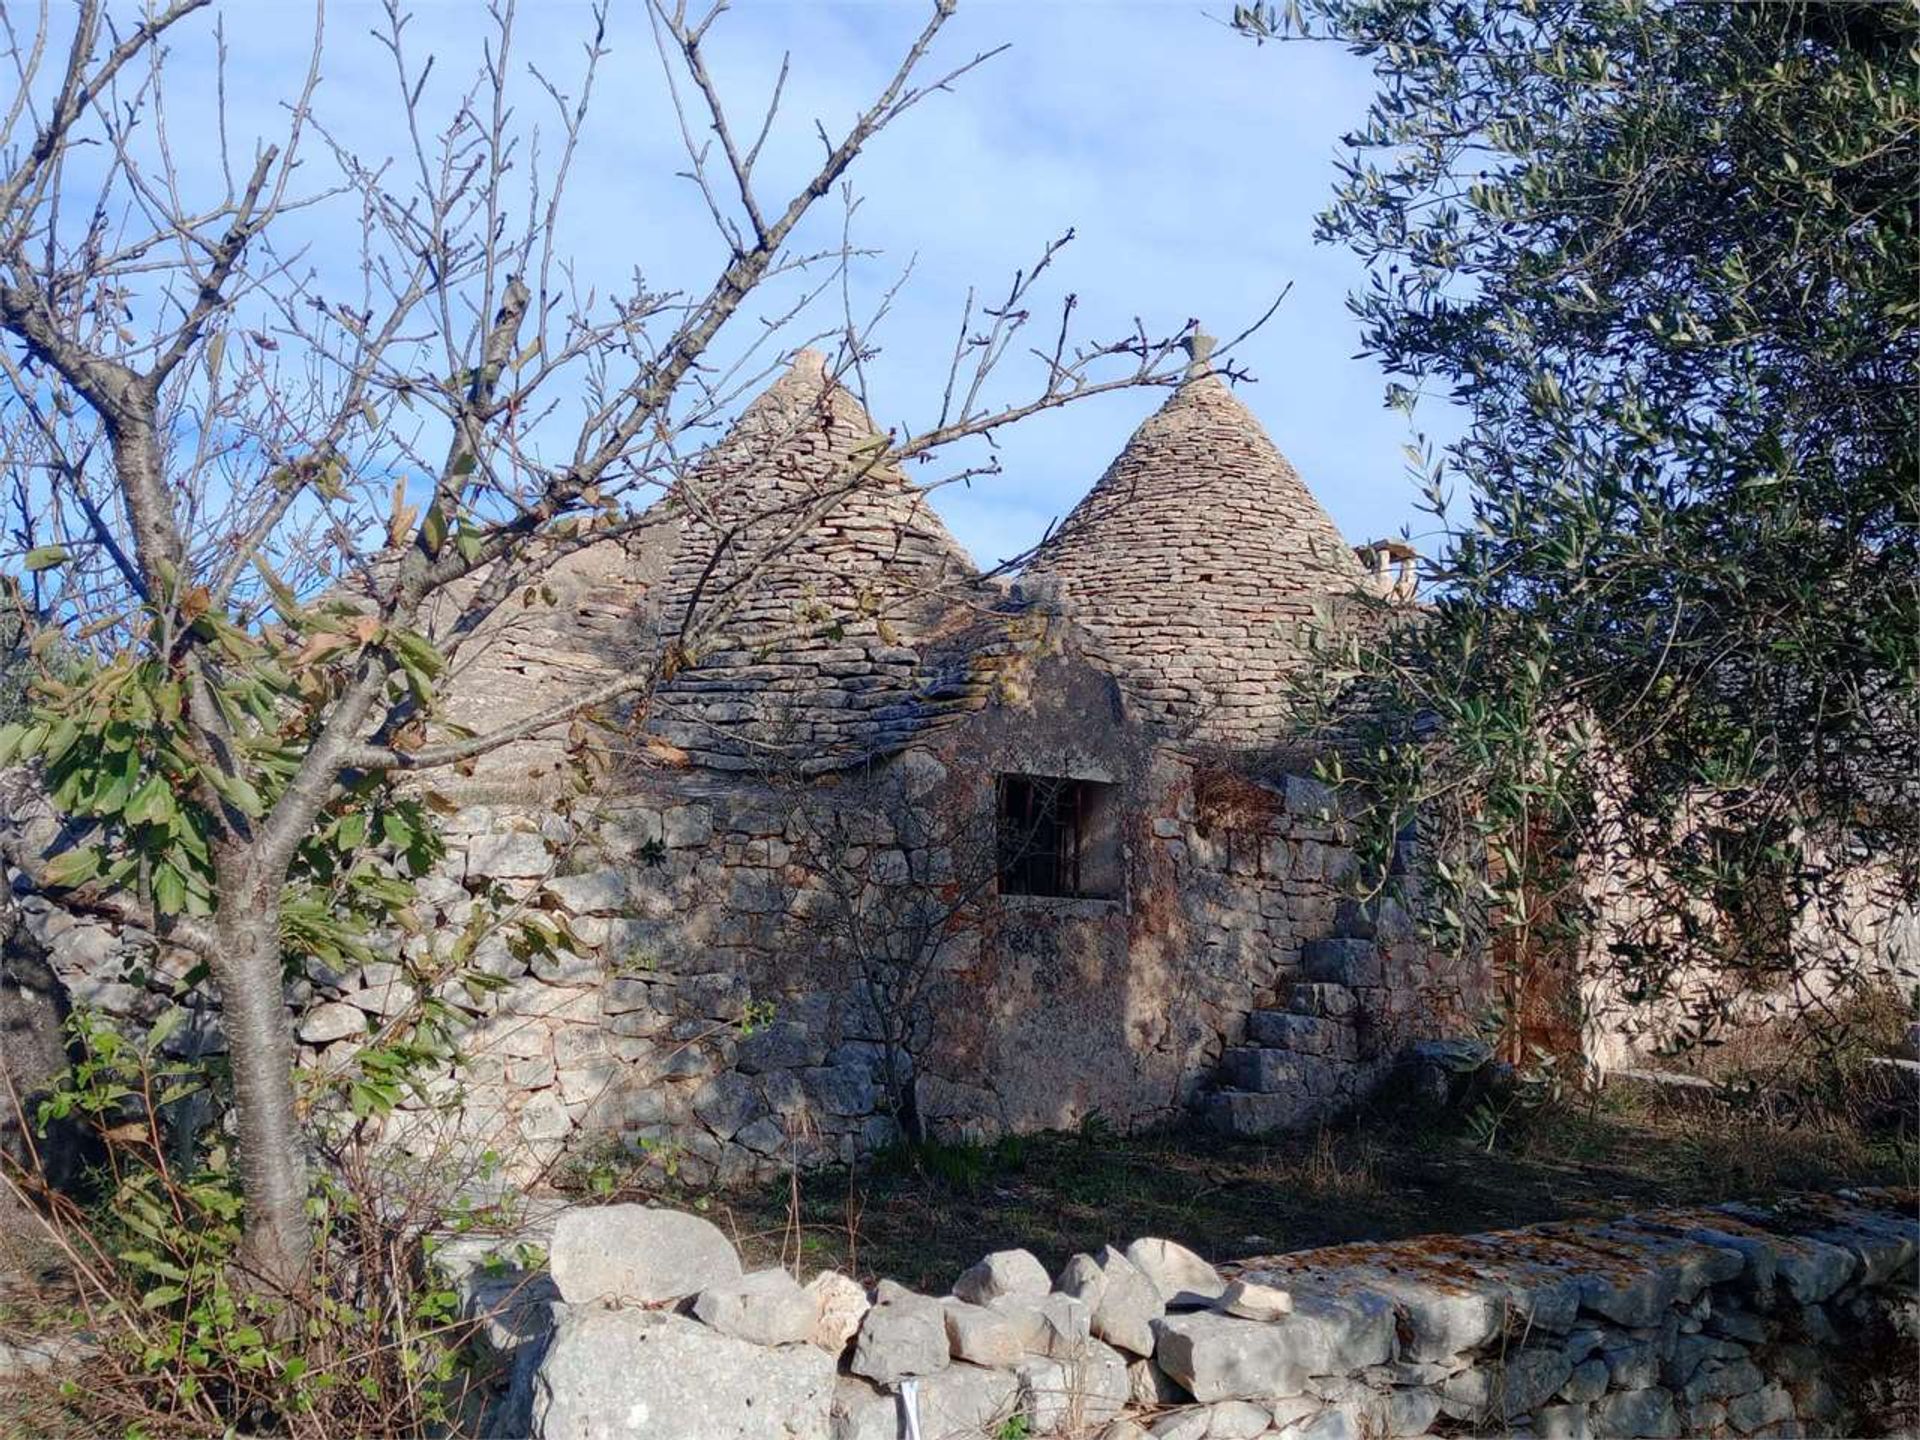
[{"x": 1197, "y": 564}]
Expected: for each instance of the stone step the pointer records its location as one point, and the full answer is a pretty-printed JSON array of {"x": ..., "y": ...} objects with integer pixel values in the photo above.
[
  {"x": 1314, "y": 997},
  {"x": 1244, "y": 1114},
  {"x": 1266, "y": 1071},
  {"x": 1302, "y": 1034},
  {"x": 1343, "y": 962}
]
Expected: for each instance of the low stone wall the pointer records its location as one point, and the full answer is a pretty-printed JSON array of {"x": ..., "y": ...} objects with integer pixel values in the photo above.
[{"x": 1728, "y": 1320}]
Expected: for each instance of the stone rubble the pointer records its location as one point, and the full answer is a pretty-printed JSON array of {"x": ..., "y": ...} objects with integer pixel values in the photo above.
[{"x": 1712, "y": 1321}]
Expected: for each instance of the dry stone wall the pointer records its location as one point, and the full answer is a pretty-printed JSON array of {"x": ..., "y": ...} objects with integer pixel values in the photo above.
[
  {"x": 751, "y": 976},
  {"x": 1735, "y": 1320}
]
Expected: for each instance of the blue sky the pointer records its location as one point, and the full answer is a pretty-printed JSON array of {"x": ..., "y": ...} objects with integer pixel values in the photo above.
[{"x": 1189, "y": 163}]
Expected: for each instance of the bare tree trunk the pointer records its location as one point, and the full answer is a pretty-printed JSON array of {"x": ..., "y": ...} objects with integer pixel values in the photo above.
[{"x": 259, "y": 1029}]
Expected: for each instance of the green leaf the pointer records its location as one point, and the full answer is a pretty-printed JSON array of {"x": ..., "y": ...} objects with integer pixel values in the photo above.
[
  {"x": 45, "y": 557},
  {"x": 73, "y": 868}
]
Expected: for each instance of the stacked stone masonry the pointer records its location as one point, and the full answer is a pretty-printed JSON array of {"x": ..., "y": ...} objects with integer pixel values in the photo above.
[
  {"x": 1727, "y": 1321},
  {"x": 785, "y": 933}
]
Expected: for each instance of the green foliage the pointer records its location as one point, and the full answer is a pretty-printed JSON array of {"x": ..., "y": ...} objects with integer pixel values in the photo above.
[
  {"x": 188, "y": 1345},
  {"x": 115, "y": 746},
  {"x": 1665, "y": 258}
]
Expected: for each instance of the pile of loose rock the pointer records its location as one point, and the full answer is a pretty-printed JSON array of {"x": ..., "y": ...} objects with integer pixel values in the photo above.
[{"x": 1729, "y": 1320}]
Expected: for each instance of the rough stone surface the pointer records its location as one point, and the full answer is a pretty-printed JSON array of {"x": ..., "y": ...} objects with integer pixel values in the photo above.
[
  {"x": 635, "y": 1252},
  {"x": 647, "y": 1375},
  {"x": 1339, "y": 1362},
  {"x": 1251, "y": 1300},
  {"x": 983, "y": 1336},
  {"x": 334, "y": 1020},
  {"x": 1005, "y": 1272},
  {"x": 1128, "y": 1303},
  {"x": 767, "y": 1307},
  {"x": 902, "y": 1334},
  {"x": 1175, "y": 1270},
  {"x": 1217, "y": 1357},
  {"x": 841, "y": 1304}
]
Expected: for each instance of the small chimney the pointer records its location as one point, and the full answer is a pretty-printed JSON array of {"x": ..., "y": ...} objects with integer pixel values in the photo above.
[
  {"x": 1199, "y": 353},
  {"x": 1391, "y": 569}
]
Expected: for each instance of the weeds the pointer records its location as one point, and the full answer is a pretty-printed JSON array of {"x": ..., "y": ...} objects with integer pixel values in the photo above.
[{"x": 181, "y": 1340}]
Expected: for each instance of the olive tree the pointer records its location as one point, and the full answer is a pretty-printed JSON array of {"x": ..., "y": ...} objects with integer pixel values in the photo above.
[{"x": 1662, "y": 258}]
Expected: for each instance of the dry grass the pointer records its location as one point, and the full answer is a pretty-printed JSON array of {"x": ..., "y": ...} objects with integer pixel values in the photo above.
[{"x": 923, "y": 1218}]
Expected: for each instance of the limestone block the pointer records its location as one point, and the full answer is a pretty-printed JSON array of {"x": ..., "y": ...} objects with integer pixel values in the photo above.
[
  {"x": 563, "y": 967},
  {"x": 1406, "y": 1412},
  {"x": 727, "y": 1102},
  {"x": 902, "y": 1334},
  {"x": 1304, "y": 1034},
  {"x": 647, "y": 1375},
  {"x": 785, "y": 1094},
  {"x": 333, "y": 1020},
  {"x": 1563, "y": 1422},
  {"x": 1295, "y": 1411},
  {"x": 532, "y": 1074},
  {"x": 1071, "y": 1394},
  {"x": 598, "y": 892},
  {"x": 1217, "y": 1357},
  {"x": 964, "y": 1400},
  {"x": 544, "y": 1117},
  {"x": 1190, "y": 1424},
  {"x": 1264, "y": 1071},
  {"x": 1005, "y": 1272},
  {"x": 1524, "y": 1382},
  {"x": 1237, "y": 1420},
  {"x": 841, "y": 1304},
  {"x": 842, "y": 1090},
  {"x": 1722, "y": 1380},
  {"x": 625, "y": 993},
  {"x": 1054, "y": 1325},
  {"x": 1174, "y": 1270},
  {"x": 767, "y": 1307},
  {"x": 779, "y": 1045},
  {"x": 1251, "y": 1300},
  {"x": 1338, "y": 961},
  {"x": 1636, "y": 1415},
  {"x": 1247, "y": 1114},
  {"x": 1633, "y": 1366},
  {"x": 983, "y": 1336},
  {"x": 765, "y": 1136},
  {"x": 507, "y": 855},
  {"x": 1588, "y": 1382},
  {"x": 1082, "y": 1278},
  {"x": 686, "y": 826},
  {"x": 592, "y": 1083},
  {"x": 639, "y": 1253},
  {"x": 1129, "y": 1304}
]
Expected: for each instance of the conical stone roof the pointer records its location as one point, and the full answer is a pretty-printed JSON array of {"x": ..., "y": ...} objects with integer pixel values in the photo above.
[
  {"x": 836, "y": 571},
  {"x": 1196, "y": 565}
]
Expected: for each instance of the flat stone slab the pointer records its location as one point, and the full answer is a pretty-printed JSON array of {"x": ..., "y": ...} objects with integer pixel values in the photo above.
[
  {"x": 637, "y": 1252},
  {"x": 651, "y": 1375}
]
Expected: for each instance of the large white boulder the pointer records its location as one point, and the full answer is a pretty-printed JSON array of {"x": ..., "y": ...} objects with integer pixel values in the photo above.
[
  {"x": 635, "y": 1252},
  {"x": 651, "y": 1375}
]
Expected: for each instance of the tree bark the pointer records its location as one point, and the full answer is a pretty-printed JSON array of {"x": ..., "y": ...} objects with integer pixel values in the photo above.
[{"x": 259, "y": 1030}]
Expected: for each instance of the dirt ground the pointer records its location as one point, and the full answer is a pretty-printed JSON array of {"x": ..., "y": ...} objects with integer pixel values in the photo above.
[{"x": 922, "y": 1219}]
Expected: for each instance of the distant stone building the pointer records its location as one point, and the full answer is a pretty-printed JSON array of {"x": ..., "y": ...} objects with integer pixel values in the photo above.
[{"x": 906, "y": 845}]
